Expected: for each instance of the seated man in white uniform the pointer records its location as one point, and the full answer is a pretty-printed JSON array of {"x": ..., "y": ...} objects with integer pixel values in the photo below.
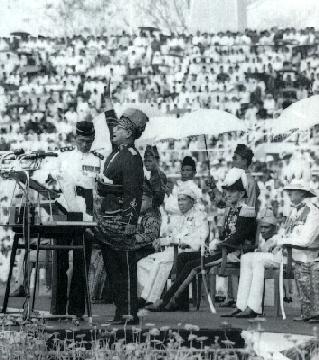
[
  {"x": 301, "y": 228},
  {"x": 189, "y": 230}
]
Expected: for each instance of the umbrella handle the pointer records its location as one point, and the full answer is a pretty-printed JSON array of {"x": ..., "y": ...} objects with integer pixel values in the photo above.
[{"x": 210, "y": 178}]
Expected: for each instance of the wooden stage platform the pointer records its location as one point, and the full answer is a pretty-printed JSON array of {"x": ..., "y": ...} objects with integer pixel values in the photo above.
[{"x": 103, "y": 313}]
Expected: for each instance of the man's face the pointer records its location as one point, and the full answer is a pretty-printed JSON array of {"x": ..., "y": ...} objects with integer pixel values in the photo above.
[
  {"x": 169, "y": 187},
  {"x": 149, "y": 163},
  {"x": 233, "y": 196},
  {"x": 83, "y": 144},
  {"x": 120, "y": 135},
  {"x": 296, "y": 196},
  {"x": 239, "y": 162},
  {"x": 187, "y": 173},
  {"x": 267, "y": 230},
  {"x": 185, "y": 203}
]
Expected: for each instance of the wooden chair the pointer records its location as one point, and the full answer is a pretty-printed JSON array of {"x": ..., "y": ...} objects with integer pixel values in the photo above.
[{"x": 273, "y": 273}]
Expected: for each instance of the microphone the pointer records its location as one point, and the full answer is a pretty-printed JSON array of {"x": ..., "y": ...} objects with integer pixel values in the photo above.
[
  {"x": 40, "y": 155},
  {"x": 18, "y": 152}
]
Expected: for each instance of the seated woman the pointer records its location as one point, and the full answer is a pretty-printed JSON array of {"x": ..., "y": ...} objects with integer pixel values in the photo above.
[
  {"x": 239, "y": 228},
  {"x": 189, "y": 230}
]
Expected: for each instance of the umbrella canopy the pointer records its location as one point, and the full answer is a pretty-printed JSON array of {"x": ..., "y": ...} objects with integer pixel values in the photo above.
[
  {"x": 149, "y": 28},
  {"x": 148, "y": 109},
  {"x": 300, "y": 115},
  {"x": 200, "y": 122},
  {"x": 210, "y": 122},
  {"x": 20, "y": 33}
]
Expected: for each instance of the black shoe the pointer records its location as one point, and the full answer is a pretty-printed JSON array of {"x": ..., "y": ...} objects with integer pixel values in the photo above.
[
  {"x": 159, "y": 308},
  {"x": 19, "y": 292},
  {"x": 219, "y": 299},
  {"x": 141, "y": 303},
  {"x": 227, "y": 303},
  {"x": 247, "y": 314},
  {"x": 232, "y": 314},
  {"x": 288, "y": 299},
  {"x": 314, "y": 319}
]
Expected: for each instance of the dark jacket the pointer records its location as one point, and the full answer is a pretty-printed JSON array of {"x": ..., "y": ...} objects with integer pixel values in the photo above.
[{"x": 239, "y": 228}]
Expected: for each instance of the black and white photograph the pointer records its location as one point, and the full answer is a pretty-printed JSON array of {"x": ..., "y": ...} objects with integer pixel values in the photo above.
[{"x": 159, "y": 179}]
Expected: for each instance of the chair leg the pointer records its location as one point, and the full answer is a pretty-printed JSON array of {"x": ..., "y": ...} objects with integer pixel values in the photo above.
[
  {"x": 276, "y": 295},
  {"x": 263, "y": 300},
  {"x": 36, "y": 273},
  {"x": 213, "y": 286},
  {"x": 87, "y": 290},
  {"x": 194, "y": 291},
  {"x": 199, "y": 290},
  {"x": 12, "y": 259}
]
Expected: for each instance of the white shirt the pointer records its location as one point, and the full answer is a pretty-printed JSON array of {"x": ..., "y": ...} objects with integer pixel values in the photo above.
[
  {"x": 302, "y": 229},
  {"x": 189, "y": 229},
  {"x": 171, "y": 202}
]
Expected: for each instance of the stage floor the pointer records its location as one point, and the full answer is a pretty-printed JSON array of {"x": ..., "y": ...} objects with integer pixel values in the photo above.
[{"x": 103, "y": 313}]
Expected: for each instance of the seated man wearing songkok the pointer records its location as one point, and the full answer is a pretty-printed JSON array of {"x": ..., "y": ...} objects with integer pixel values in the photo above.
[
  {"x": 239, "y": 229},
  {"x": 188, "y": 172},
  {"x": 302, "y": 229},
  {"x": 188, "y": 230}
]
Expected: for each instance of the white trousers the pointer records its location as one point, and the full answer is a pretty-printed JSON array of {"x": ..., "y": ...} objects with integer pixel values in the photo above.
[
  {"x": 152, "y": 274},
  {"x": 251, "y": 281}
]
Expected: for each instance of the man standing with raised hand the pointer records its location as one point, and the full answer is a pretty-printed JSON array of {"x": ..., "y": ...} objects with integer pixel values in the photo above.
[{"x": 117, "y": 205}]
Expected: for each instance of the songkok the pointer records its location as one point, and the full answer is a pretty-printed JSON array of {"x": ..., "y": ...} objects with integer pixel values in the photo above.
[
  {"x": 151, "y": 151},
  {"x": 244, "y": 151},
  {"x": 188, "y": 161},
  {"x": 85, "y": 129},
  {"x": 134, "y": 120},
  {"x": 302, "y": 186},
  {"x": 188, "y": 189},
  {"x": 267, "y": 216},
  {"x": 236, "y": 179}
]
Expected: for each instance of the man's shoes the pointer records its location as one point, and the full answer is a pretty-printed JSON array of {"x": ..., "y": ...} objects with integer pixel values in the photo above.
[
  {"x": 227, "y": 303},
  {"x": 19, "y": 292},
  {"x": 299, "y": 318},
  {"x": 155, "y": 307},
  {"x": 247, "y": 314},
  {"x": 141, "y": 303},
  {"x": 219, "y": 299},
  {"x": 288, "y": 299},
  {"x": 312, "y": 319},
  {"x": 232, "y": 314}
]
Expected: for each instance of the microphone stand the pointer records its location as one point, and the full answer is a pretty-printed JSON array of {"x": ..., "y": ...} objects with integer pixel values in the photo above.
[{"x": 15, "y": 170}]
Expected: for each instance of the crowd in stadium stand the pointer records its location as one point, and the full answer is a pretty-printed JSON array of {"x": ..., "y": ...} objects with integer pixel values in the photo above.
[{"x": 48, "y": 84}]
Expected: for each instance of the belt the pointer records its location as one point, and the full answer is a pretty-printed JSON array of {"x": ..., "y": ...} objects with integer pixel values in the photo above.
[{"x": 104, "y": 189}]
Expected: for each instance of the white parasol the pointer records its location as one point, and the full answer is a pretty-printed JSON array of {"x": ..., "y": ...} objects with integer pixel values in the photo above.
[
  {"x": 201, "y": 122},
  {"x": 300, "y": 115}
]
